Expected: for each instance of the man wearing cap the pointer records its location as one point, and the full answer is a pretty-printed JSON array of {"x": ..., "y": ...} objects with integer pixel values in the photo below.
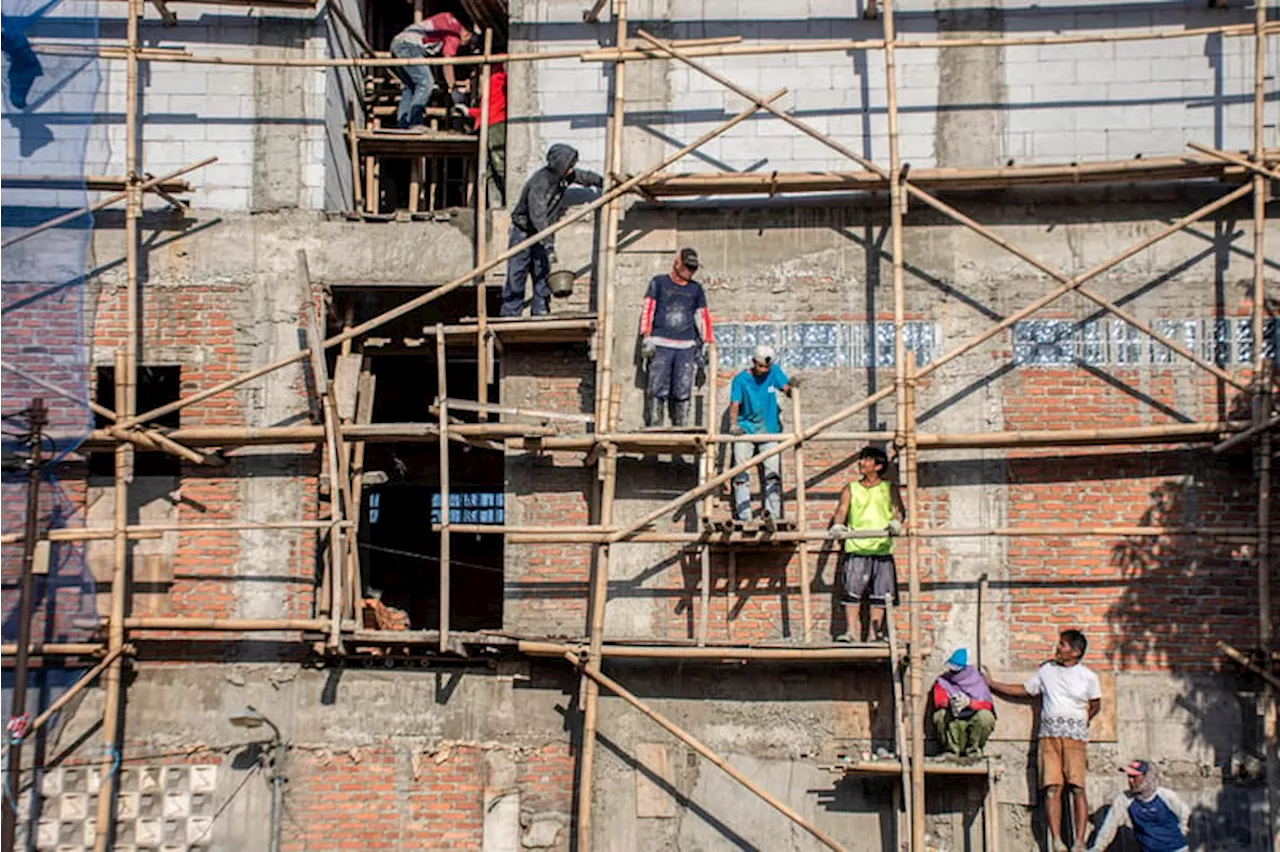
[
  {"x": 1156, "y": 814},
  {"x": 963, "y": 710},
  {"x": 753, "y": 410},
  {"x": 1070, "y": 696},
  {"x": 675, "y": 330}
]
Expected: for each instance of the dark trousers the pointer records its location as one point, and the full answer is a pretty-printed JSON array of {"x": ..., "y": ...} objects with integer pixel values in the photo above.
[
  {"x": 671, "y": 373},
  {"x": 532, "y": 261}
]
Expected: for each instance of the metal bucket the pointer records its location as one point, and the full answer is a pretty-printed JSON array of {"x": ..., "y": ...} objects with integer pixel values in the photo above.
[{"x": 561, "y": 282}]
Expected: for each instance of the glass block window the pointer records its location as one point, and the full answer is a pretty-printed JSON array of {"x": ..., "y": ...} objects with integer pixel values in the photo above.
[
  {"x": 1113, "y": 342},
  {"x": 825, "y": 345},
  {"x": 470, "y": 507},
  {"x": 1044, "y": 342}
]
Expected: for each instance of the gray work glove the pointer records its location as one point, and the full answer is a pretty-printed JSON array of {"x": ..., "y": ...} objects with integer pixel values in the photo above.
[
  {"x": 958, "y": 703},
  {"x": 736, "y": 429},
  {"x": 647, "y": 347},
  {"x": 551, "y": 258},
  {"x": 895, "y": 527},
  {"x": 705, "y": 353},
  {"x": 838, "y": 531},
  {"x": 794, "y": 381}
]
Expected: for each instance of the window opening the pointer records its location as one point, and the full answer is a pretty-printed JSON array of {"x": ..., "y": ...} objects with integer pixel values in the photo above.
[{"x": 157, "y": 386}]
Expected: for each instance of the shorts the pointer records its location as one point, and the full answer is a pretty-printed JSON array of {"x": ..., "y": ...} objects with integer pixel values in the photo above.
[
  {"x": 874, "y": 578},
  {"x": 1061, "y": 760}
]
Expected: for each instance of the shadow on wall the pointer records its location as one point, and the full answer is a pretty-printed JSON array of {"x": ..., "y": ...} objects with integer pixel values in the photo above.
[{"x": 1178, "y": 597}]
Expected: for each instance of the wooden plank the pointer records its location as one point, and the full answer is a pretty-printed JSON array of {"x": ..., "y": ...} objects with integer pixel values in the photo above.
[
  {"x": 652, "y": 800},
  {"x": 1017, "y": 720},
  {"x": 346, "y": 380}
]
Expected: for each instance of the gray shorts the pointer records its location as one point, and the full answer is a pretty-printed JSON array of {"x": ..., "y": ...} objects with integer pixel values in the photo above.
[{"x": 874, "y": 578}]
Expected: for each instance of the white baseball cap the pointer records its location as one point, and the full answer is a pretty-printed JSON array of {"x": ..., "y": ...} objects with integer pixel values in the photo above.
[{"x": 763, "y": 354}]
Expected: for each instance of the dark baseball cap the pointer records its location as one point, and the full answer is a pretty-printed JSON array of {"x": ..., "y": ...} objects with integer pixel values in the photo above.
[
  {"x": 1137, "y": 767},
  {"x": 689, "y": 258}
]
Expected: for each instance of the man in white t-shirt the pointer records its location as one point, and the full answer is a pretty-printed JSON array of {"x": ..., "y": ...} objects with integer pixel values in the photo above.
[{"x": 1070, "y": 696}]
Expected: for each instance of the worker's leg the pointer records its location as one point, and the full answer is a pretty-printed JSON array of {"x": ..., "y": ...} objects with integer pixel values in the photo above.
[
  {"x": 1074, "y": 754},
  {"x": 855, "y": 575},
  {"x": 539, "y": 269},
  {"x": 771, "y": 477},
  {"x": 981, "y": 724},
  {"x": 498, "y": 160},
  {"x": 417, "y": 81},
  {"x": 658, "y": 384},
  {"x": 742, "y": 450},
  {"x": 683, "y": 368},
  {"x": 945, "y": 729},
  {"x": 883, "y": 587},
  {"x": 517, "y": 271},
  {"x": 1049, "y": 757}
]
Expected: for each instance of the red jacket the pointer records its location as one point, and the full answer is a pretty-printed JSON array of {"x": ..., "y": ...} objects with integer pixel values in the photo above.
[{"x": 497, "y": 98}]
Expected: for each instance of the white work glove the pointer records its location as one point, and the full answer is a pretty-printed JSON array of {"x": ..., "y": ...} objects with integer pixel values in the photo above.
[
  {"x": 647, "y": 347},
  {"x": 895, "y": 527},
  {"x": 838, "y": 531},
  {"x": 736, "y": 429},
  {"x": 705, "y": 353},
  {"x": 958, "y": 703},
  {"x": 794, "y": 381}
]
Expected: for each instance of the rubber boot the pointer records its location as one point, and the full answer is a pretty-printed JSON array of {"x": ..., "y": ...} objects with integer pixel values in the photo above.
[
  {"x": 653, "y": 407},
  {"x": 680, "y": 412}
]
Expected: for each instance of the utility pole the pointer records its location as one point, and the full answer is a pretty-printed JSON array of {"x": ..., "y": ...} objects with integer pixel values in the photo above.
[{"x": 37, "y": 419}]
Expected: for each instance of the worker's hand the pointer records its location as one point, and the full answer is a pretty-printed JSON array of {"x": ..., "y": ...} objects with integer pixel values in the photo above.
[
  {"x": 986, "y": 674},
  {"x": 459, "y": 110},
  {"x": 551, "y": 258},
  {"x": 958, "y": 703},
  {"x": 647, "y": 347},
  {"x": 895, "y": 527},
  {"x": 794, "y": 381},
  {"x": 458, "y": 96},
  {"x": 736, "y": 429},
  {"x": 838, "y": 531},
  {"x": 705, "y": 353}
]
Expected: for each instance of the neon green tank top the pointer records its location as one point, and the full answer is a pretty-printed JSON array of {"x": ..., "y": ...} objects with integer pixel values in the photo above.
[{"x": 869, "y": 509}]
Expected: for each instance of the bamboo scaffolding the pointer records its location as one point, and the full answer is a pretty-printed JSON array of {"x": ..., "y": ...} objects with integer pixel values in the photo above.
[
  {"x": 536, "y": 413},
  {"x": 706, "y": 463},
  {"x": 802, "y": 517},
  {"x": 899, "y": 726},
  {"x": 915, "y": 642},
  {"x": 1255, "y": 167},
  {"x": 695, "y": 744},
  {"x": 72, "y": 691},
  {"x": 840, "y": 653},
  {"x": 55, "y": 649},
  {"x": 442, "y": 403},
  {"x": 1242, "y": 659}
]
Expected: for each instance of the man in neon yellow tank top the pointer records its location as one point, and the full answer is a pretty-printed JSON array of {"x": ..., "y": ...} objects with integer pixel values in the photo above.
[{"x": 867, "y": 571}]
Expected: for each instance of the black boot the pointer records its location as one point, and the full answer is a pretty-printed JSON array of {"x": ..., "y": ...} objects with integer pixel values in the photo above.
[
  {"x": 653, "y": 411},
  {"x": 680, "y": 412}
]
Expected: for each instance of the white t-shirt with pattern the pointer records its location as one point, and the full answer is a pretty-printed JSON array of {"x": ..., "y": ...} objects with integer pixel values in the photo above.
[{"x": 1065, "y": 693}]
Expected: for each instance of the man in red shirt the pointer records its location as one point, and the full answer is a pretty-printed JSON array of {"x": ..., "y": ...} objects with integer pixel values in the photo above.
[
  {"x": 441, "y": 34},
  {"x": 497, "y": 148}
]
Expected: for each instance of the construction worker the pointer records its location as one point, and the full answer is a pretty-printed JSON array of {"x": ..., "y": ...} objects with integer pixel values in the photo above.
[
  {"x": 964, "y": 713},
  {"x": 497, "y": 141},
  {"x": 867, "y": 570},
  {"x": 753, "y": 410},
  {"x": 541, "y": 205},
  {"x": 1156, "y": 814},
  {"x": 441, "y": 34},
  {"x": 675, "y": 331},
  {"x": 1070, "y": 696}
]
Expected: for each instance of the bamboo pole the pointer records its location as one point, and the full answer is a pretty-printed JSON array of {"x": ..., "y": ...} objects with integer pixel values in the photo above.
[
  {"x": 55, "y": 649},
  {"x": 1248, "y": 434},
  {"x": 577, "y": 535},
  {"x": 72, "y": 691},
  {"x": 942, "y": 360},
  {"x": 113, "y": 681},
  {"x": 1256, "y": 167},
  {"x": 1244, "y": 662},
  {"x": 899, "y": 725},
  {"x": 706, "y": 463},
  {"x": 916, "y": 656},
  {"x": 364, "y": 414},
  {"x": 802, "y": 518},
  {"x": 482, "y": 224},
  {"x": 618, "y": 689},
  {"x": 235, "y": 625},
  {"x": 536, "y": 413},
  {"x": 606, "y": 266},
  {"x": 442, "y": 403},
  {"x": 320, "y": 374},
  {"x": 843, "y": 653}
]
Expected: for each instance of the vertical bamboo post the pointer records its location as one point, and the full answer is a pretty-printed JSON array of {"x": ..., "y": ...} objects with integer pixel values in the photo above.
[
  {"x": 482, "y": 226},
  {"x": 606, "y": 268},
  {"x": 364, "y": 416},
  {"x": 113, "y": 677},
  {"x": 802, "y": 515},
  {"x": 126, "y": 377},
  {"x": 442, "y": 405},
  {"x": 915, "y": 652},
  {"x": 1259, "y": 182},
  {"x": 705, "y": 463},
  {"x": 899, "y": 728}
]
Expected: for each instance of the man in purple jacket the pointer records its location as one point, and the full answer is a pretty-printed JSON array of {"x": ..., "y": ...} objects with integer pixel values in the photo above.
[{"x": 964, "y": 713}]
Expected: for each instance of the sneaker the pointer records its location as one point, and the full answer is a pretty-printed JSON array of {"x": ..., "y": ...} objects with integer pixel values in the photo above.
[{"x": 845, "y": 637}]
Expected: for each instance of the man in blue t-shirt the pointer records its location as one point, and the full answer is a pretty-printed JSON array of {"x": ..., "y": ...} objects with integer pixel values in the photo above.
[
  {"x": 753, "y": 410},
  {"x": 675, "y": 329},
  {"x": 1157, "y": 816}
]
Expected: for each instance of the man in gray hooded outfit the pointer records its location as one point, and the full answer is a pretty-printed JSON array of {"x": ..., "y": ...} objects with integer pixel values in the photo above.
[{"x": 541, "y": 204}]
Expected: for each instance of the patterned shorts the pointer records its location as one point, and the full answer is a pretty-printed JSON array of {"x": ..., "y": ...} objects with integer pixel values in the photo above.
[{"x": 874, "y": 578}]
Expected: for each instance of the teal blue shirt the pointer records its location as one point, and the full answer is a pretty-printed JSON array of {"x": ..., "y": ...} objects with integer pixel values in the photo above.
[{"x": 757, "y": 400}]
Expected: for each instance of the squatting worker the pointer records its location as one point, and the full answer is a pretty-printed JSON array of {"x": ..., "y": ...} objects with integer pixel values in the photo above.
[
  {"x": 753, "y": 410},
  {"x": 1157, "y": 816},
  {"x": 675, "y": 331},
  {"x": 540, "y": 206},
  {"x": 869, "y": 503},
  {"x": 964, "y": 714},
  {"x": 1070, "y": 696},
  {"x": 441, "y": 34}
]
